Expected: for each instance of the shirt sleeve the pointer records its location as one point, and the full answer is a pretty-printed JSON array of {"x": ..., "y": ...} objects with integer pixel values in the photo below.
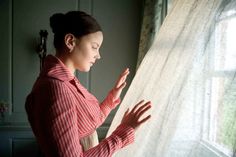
[
  {"x": 63, "y": 128},
  {"x": 121, "y": 137},
  {"x": 109, "y": 103}
]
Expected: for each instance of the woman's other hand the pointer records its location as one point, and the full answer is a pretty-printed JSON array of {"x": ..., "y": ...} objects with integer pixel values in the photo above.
[
  {"x": 132, "y": 118},
  {"x": 120, "y": 84}
]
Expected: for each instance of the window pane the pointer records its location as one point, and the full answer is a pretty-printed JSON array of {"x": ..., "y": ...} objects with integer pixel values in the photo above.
[
  {"x": 225, "y": 52},
  {"x": 223, "y": 111},
  {"x": 223, "y": 84}
]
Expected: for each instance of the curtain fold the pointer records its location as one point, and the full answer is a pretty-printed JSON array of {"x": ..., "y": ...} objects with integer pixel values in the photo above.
[
  {"x": 189, "y": 75},
  {"x": 153, "y": 16}
]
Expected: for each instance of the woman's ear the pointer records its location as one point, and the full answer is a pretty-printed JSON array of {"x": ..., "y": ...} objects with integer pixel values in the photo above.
[{"x": 70, "y": 41}]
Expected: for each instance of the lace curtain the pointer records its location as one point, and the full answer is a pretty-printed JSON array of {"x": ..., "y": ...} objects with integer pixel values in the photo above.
[{"x": 189, "y": 75}]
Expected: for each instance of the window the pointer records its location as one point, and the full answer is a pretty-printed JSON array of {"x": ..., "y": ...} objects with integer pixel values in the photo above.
[{"x": 221, "y": 85}]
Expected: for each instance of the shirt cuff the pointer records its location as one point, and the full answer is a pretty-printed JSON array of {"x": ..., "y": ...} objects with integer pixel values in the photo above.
[
  {"x": 126, "y": 134},
  {"x": 109, "y": 103},
  {"x": 112, "y": 102}
]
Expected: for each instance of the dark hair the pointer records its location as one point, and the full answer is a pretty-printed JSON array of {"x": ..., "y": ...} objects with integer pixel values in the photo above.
[{"x": 77, "y": 23}]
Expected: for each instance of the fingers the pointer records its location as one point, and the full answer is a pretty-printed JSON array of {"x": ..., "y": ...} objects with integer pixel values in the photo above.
[
  {"x": 136, "y": 106},
  {"x": 122, "y": 77},
  {"x": 126, "y": 112},
  {"x": 143, "y": 109},
  {"x": 147, "y": 104},
  {"x": 140, "y": 110},
  {"x": 144, "y": 120},
  {"x": 122, "y": 86},
  {"x": 133, "y": 118},
  {"x": 125, "y": 72},
  {"x": 121, "y": 80}
]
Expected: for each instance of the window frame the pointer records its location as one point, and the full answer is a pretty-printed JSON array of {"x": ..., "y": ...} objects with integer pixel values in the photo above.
[{"x": 208, "y": 138}]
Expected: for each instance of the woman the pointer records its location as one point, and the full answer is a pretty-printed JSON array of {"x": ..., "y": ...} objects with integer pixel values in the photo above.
[{"x": 62, "y": 113}]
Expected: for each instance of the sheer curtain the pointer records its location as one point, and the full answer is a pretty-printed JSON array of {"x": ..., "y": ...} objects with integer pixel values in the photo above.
[{"x": 189, "y": 75}]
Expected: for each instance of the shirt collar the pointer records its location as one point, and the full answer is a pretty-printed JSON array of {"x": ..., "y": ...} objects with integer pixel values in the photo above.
[{"x": 55, "y": 68}]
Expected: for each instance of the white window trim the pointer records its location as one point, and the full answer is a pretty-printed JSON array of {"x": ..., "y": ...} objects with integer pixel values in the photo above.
[{"x": 216, "y": 148}]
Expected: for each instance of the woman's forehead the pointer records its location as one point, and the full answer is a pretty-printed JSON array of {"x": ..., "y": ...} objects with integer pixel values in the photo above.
[{"x": 96, "y": 37}]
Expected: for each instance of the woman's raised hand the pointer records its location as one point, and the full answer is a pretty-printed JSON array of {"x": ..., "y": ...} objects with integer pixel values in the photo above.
[
  {"x": 120, "y": 84},
  {"x": 132, "y": 118}
]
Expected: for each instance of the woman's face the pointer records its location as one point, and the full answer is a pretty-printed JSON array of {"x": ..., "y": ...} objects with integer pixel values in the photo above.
[{"x": 86, "y": 51}]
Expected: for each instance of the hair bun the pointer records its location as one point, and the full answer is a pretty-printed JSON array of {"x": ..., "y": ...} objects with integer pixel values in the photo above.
[{"x": 57, "y": 22}]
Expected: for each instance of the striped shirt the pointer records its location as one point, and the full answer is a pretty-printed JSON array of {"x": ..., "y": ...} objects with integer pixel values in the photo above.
[{"x": 61, "y": 112}]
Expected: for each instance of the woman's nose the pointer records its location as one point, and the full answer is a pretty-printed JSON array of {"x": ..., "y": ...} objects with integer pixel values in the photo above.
[{"x": 98, "y": 56}]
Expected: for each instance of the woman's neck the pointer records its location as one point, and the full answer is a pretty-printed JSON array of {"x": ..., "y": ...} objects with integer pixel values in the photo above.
[{"x": 66, "y": 60}]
